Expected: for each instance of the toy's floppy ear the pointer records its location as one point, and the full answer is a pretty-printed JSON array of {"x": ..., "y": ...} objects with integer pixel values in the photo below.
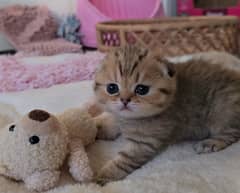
[
  {"x": 8, "y": 114},
  {"x": 40, "y": 122},
  {"x": 39, "y": 115}
]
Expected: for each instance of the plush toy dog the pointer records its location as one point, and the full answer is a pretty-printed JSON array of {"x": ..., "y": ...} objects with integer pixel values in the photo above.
[{"x": 34, "y": 148}]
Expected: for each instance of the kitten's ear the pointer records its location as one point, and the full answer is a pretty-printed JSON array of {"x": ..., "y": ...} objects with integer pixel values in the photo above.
[
  {"x": 143, "y": 52},
  {"x": 167, "y": 67},
  {"x": 131, "y": 49}
]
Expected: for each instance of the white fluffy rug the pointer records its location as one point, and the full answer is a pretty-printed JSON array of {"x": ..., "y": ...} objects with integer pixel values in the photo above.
[{"x": 177, "y": 170}]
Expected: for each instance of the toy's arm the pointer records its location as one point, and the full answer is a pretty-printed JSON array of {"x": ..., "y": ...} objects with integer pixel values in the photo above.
[
  {"x": 108, "y": 128},
  {"x": 79, "y": 165},
  {"x": 5, "y": 171},
  {"x": 42, "y": 181}
]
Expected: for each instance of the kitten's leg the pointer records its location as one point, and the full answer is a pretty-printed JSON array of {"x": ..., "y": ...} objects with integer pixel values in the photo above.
[
  {"x": 131, "y": 158},
  {"x": 108, "y": 128},
  {"x": 217, "y": 142}
]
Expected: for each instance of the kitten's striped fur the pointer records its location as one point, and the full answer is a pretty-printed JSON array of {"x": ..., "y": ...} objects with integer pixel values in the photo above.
[{"x": 197, "y": 100}]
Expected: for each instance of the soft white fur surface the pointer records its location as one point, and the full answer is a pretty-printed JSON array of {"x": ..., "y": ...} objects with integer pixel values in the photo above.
[{"x": 177, "y": 170}]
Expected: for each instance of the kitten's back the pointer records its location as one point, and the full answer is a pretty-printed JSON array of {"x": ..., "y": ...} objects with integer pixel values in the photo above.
[{"x": 208, "y": 95}]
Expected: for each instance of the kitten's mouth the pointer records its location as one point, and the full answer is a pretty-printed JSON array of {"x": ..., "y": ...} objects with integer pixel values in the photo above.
[{"x": 125, "y": 108}]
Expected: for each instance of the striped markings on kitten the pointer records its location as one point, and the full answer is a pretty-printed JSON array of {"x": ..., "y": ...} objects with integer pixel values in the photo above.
[{"x": 159, "y": 103}]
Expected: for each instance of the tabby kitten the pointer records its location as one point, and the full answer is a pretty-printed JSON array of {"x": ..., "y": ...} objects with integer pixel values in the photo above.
[{"x": 159, "y": 103}]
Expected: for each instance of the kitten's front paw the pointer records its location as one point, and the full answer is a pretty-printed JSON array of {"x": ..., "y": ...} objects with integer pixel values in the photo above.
[
  {"x": 108, "y": 129},
  {"x": 105, "y": 133},
  {"x": 110, "y": 172},
  {"x": 103, "y": 177},
  {"x": 209, "y": 145},
  {"x": 101, "y": 181}
]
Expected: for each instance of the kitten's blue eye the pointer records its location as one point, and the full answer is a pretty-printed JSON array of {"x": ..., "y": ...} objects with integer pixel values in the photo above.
[
  {"x": 112, "y": 88},
  {"x": 142, "y": 89}
]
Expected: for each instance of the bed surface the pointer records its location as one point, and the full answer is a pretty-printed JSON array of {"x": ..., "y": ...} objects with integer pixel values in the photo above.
[{"x": 177, "y": 170}]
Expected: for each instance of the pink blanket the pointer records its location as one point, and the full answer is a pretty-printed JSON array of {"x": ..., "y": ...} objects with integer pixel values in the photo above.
[{"x": 18, "y": 73}]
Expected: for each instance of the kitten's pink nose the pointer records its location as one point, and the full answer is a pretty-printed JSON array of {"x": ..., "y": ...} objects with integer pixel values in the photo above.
[{"x": 125, "y": 101}]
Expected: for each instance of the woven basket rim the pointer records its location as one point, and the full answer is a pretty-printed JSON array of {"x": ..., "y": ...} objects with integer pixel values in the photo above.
[
  {"x": 170, "y": 21},
  {"x": 185, "y": 26}
]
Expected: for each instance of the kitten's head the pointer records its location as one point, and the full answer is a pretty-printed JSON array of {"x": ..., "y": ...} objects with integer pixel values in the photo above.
[{"x": 133, "y": 83}]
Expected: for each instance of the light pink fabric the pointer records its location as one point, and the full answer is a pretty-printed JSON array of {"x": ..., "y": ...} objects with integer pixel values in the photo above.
[
  {"x": 90, "y": 12},
  {"x": 17, "y": 75},
  {"x": 32, "y": 29},
  {"x": 122, "y": 9},
  {"x": 50, "y": 47}
]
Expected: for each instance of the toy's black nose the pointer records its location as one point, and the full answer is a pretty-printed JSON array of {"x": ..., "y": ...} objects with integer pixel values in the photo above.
[
  {"x": 34, "y": 139},
  {"x": 39, "y": 115}
]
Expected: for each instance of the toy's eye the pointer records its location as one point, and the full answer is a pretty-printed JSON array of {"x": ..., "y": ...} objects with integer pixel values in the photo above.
[
  {"x": 112, "y": 89},
  {"x": 34, "y": 139},
  {"x": 11, "y": 128},
  {"x": 142, "y": 89}
]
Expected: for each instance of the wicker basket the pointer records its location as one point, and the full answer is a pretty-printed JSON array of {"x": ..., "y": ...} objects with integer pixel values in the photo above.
[{"x": 172, "y": 36}]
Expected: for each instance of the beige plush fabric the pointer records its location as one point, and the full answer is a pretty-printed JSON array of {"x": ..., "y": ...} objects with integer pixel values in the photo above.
[
  {"x": 177, "y": 170},
  {"x": 18, "y": 159}
]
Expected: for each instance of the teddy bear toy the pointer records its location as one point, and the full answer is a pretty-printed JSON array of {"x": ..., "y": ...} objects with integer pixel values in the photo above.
[{"x": 34, "y": 149}]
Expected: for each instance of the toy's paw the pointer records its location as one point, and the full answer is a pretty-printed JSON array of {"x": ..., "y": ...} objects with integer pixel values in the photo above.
[
  {"x": 42, "y": 181},
  {"x": 82, "y": 173},
  {"x": 78, "y": 162}
]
